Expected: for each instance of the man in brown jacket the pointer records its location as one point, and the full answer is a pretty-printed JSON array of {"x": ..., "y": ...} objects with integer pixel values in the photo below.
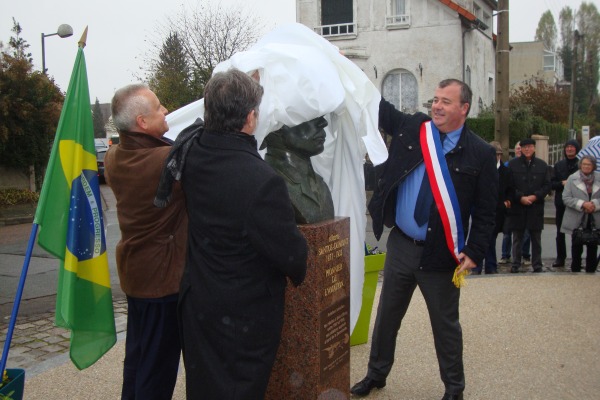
[{"x": 151, "y": 253}]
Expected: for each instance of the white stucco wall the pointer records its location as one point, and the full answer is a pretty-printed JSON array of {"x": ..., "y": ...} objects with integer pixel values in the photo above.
[{"x": 433, "y": 40}]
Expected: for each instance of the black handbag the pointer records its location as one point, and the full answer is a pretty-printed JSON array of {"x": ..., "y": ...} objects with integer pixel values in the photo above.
[{"x": 586, "y": 236}]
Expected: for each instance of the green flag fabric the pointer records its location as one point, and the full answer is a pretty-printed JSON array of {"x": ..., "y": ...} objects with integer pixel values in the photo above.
[{"x": 69, "y": 215}]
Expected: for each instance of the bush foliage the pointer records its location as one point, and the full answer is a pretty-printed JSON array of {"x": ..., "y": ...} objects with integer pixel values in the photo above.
[
  {"x": 519, "y": 130},
  {"x": 12, "y": 197}
]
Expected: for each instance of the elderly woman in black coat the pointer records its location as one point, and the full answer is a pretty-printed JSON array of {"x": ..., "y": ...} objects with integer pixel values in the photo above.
[{"x": 582, "y": 200}]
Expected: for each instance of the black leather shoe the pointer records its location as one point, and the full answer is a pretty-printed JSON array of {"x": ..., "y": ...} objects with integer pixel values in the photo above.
[
  {"x": 364, "y": 387},
  {"x": 558, "y": 263},
  {"x": 448, "y": 396},
  {"x": 538, "y": 269},
  {"x": 514, "y": 270}
]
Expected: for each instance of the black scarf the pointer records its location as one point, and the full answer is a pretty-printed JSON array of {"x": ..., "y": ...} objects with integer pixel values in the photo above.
[{"x": 175, "y": 162}]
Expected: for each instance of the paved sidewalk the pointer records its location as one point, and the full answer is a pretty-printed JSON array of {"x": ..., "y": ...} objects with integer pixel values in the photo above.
[
  {"x": 527, "y": 336},
  {"x": 36, "y": 338}
]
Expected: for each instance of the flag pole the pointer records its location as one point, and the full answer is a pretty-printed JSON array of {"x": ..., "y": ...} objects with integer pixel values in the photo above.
[
  {"x": 26, "y": 262},
  {"x": 83, "y": 38},
  {"x": 18, "y": 295}
]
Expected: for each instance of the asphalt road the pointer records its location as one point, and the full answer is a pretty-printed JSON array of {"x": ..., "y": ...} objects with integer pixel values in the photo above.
[{"x": 39, "y": 294}]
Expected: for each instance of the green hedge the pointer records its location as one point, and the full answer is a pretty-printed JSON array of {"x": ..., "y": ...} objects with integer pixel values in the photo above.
[
  {"x": 11, "y": 197},
  {"x": 485, "y": 127}
]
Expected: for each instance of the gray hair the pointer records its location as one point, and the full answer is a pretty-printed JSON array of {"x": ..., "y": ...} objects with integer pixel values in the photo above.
[
  {"x": 228, "y": 99},
  {"x": 590, "y": 158},
  {"x": 497, "y": 146},
  {"x": 127, "y": 104}
]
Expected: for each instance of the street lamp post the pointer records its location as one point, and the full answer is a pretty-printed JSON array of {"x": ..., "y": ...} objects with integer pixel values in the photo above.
[{"x": 63, "y": 31}]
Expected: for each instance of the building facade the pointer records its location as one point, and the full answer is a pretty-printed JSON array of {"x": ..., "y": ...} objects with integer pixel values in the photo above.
[
  {"x": 531, "y": 60},
  {"x": 407, "y": 46}
]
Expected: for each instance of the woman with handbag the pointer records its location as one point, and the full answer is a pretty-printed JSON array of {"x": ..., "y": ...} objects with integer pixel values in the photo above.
[{"x": 582, "y": 200}]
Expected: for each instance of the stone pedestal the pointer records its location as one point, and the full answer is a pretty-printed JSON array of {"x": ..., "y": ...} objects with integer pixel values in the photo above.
[{"x": 313, "y": 360}]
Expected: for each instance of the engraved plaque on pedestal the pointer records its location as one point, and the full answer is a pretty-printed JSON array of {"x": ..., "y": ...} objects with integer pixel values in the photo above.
[{"x": 313, "y": 360}]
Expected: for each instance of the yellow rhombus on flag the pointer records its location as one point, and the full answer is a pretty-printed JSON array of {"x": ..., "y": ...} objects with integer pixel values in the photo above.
[{"x": 69, "y": 215}]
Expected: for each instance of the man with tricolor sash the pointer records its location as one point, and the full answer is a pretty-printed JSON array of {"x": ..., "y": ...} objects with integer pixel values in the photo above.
[{"x": 438, "y": 191}]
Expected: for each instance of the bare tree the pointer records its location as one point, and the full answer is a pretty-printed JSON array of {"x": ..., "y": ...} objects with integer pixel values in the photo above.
[{"x": 209, "y": 34}]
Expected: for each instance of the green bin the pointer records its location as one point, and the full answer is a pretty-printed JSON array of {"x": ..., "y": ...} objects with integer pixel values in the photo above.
[
  {"x": 14, "y": 389},
  {"x": 373, "y": 264}
]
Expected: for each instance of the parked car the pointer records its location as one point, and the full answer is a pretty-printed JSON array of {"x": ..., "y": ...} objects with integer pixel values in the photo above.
[
  {"x": 114, "y": 139},
  {"x": 101, "y": 144},
  {"x": 100, "y": 161}
]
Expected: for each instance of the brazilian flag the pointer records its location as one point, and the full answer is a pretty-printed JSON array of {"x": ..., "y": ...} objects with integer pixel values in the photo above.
[{"x": 69, "y": 215}]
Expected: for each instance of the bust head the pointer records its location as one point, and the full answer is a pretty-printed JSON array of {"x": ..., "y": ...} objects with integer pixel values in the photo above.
[
  {"x": 304, "y": 140},
  {"x": 289, "y": 150}
]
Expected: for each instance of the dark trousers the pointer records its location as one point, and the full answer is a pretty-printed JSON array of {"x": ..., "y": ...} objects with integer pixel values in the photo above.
[
  {"x": 507, "y": 245},
  {"x": 590, "y": 261},
  {"x": 561, "y": 246},
  {"x": 152, "y": 349},
  {"x": 490, "y": 262},
  {"x": 400, "y": 278},
  {"x": 536, "y": 248}
]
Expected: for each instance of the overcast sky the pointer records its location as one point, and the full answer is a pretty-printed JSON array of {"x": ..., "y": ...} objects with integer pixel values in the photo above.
[{"x": 119, "y": 29}]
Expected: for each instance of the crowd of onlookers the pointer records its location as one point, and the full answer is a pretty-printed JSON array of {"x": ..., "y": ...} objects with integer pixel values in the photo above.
[{"x": 524, "y": 182}]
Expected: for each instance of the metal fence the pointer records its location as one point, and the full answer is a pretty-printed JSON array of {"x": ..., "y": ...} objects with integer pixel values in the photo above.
[{"x": 555, "y": 153}]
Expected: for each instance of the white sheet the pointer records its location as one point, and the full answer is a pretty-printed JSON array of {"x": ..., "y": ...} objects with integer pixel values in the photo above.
[{"x": 304, "y": 77}]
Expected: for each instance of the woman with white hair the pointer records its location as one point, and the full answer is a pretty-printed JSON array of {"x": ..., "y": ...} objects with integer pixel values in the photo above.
[{"x": 582, "y": 200}]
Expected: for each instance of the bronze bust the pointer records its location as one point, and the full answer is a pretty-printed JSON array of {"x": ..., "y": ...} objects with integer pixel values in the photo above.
[{"x": 288, "y": 152}]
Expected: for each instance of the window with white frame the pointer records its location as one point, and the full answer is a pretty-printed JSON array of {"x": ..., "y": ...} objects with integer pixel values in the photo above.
[
  {"x": 398, "y": 16},
  {"x": 336, "y": 18},
  {"x": 400, "y": 88},
  {"x": 398, "y": 7},
  {"x": 549, "y": 61}
]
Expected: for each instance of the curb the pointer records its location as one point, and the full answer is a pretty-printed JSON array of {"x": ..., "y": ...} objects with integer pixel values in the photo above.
[{"x": 6, "y": 221}]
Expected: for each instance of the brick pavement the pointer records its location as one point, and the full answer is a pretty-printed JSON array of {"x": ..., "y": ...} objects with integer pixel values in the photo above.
[{"x": 36, "y": 338}]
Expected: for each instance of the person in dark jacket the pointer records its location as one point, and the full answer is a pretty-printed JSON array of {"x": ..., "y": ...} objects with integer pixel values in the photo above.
[
  {"x": 490, "y": 261},
  {"x": 562, "y": 170},
  {"x": 507, "y": 234},
  {"x": 418, "y": 253},
  {"x": 528, "y": 187},
  {"x": 243, "y": 243}
]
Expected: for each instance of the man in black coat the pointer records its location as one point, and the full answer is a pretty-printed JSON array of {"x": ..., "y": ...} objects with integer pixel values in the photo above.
[
  {"x": 490, "y": 262},
  {"x": 417, "y": 251},
  {"x": 562, "y": 170},
  {"x": 529, "y": 185},
  {"x": 243, "y": 242}
]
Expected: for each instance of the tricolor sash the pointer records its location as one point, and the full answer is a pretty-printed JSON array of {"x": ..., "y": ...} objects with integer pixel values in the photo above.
[{"x": 442, "y": 188}]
